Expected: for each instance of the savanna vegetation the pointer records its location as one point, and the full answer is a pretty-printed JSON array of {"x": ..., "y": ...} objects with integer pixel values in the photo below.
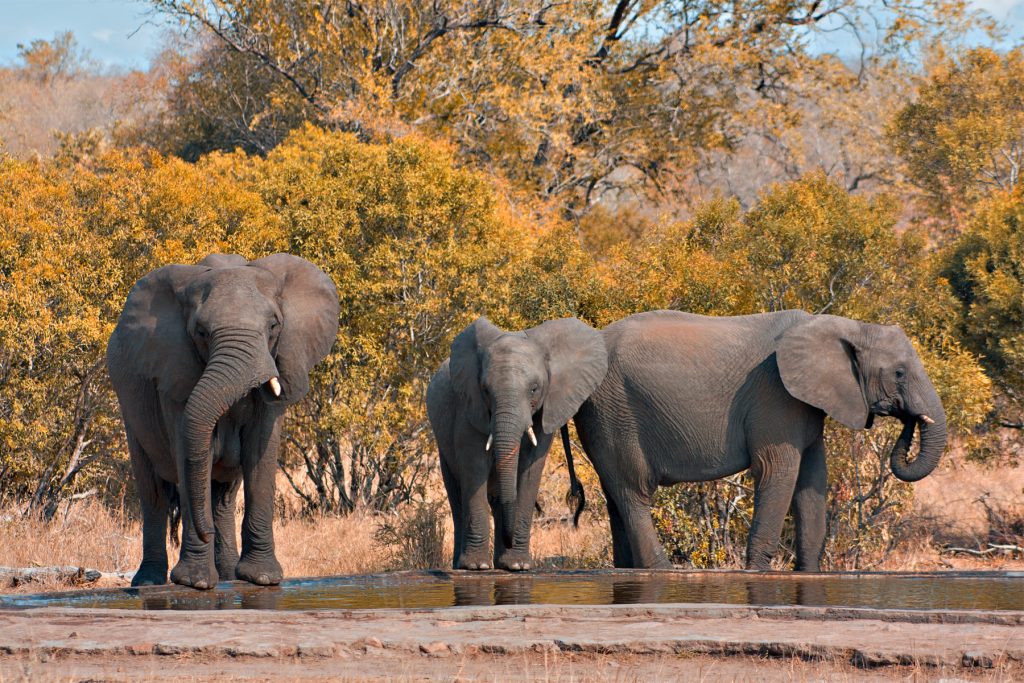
[{"x": 523, "y": 160}]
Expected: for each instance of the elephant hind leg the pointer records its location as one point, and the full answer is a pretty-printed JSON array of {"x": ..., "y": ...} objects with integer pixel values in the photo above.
[
  {"x": 775, "y": 468},
  {"x": 225, "y": 543},
  {"x": 154, "y": 502},
  {"x": 451, "y": 486},
  {"x": 622, "y": 556},
  {"x": 809, "y": 508}
]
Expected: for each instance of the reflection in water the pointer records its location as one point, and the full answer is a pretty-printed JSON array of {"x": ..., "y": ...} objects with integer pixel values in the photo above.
[{"x": 411, "y": 590}]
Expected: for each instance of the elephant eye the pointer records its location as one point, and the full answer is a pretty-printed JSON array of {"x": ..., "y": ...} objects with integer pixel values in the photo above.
[
  {"x": 900, "y": 373},
  {"x": 533, "y": 389},
  {"x": 201, "y": 331}
]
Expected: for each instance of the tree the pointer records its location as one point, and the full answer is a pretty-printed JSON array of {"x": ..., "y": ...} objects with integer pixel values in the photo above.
[
  {"x": 48, "y": 60},
  {"x": 963, "y": 136},
  {"x": 568, "y": 100},
  {"x": 985, "y": 267}
]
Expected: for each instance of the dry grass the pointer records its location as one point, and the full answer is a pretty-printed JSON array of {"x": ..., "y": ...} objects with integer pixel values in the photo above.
[{"x": 948, "y": 510}]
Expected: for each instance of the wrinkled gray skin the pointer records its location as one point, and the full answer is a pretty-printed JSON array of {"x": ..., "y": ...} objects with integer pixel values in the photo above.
[
  {"x": 695, "y": 398},
  {"x": 204, "y": 360},
  {"x": 500, "y": 384}
]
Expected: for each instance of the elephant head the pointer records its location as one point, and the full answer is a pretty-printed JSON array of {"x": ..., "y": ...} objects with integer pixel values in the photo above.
[
  {"x": 508, "y": 378},
  {"x": 855, "y": 371},
  {"x": 210, "y": 334}
]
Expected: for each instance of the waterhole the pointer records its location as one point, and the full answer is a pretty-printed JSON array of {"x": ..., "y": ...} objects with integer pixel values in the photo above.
[{"x": 434, "y": 589}]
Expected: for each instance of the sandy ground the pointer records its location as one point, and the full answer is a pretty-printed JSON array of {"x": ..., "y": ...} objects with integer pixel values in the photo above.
[{"x": 531, "y": 643}]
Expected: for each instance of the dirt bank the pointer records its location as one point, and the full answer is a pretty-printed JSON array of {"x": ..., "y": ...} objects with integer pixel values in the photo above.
[{"x": 485, "y": 641}]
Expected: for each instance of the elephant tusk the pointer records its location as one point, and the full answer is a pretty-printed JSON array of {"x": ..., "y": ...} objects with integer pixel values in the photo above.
[
  {"x": 533, "y": 437},
  {"x": 490, "y": 439},
  {"x": 275, "y": 386},
  {"x": 926, "y": 419}
]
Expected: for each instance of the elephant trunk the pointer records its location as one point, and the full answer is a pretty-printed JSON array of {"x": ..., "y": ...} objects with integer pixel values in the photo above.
[
  {"x": 933, "y": 442},
  {"x": 508, "y": 433},
  {"x": 238, "y": 363}
]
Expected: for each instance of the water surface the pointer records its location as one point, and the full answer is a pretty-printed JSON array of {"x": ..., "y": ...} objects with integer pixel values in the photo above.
[{"x": 434, "y": 589}]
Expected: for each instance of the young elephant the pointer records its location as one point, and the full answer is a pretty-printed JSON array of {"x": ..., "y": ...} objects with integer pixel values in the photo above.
[
  {"x": 695, "y": 398},
  {"x": 494, "y": 406},
  {"x": 204, "y": 360}
]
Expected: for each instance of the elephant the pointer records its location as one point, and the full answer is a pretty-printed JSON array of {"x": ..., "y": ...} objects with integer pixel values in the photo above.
[
  {"x": 204, "y": 360},
  {"x": 494, "y": 406},
  {"x": 692, "y": 398}
]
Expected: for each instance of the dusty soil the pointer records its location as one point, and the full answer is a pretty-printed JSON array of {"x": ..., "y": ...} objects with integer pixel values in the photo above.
[{"x": 614, "y": 643}]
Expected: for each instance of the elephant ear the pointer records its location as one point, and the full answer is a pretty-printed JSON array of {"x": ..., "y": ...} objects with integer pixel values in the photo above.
[
  {"x": 309, "y": 308},
  {"x": 151, "y": 340},
  {"x": 464, "y": 368},
  {"x": 577, "y": 362},
  {"x": 819, "y": 365}
]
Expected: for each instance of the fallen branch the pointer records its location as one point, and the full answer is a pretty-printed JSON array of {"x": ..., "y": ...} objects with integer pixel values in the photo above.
[
  {"x": 992, "y": 548},
  {"x": 11, "y": 577}
]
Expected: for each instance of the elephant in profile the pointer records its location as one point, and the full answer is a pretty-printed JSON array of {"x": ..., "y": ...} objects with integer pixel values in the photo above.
[
  {"x": 695, "y": 398},
  {"x": 204, "y": 360},
  {"x": 494, "y": 407}
]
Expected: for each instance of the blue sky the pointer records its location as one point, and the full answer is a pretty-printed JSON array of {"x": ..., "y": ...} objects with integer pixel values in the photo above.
[
  {"x": 120, "y": 33},
  {"x": 115, "y": 32}
]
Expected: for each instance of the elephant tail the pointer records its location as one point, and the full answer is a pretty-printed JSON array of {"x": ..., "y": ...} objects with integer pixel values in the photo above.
[
  {"x": 173, "y": 515},
  {"x": 575, "y": 497}
]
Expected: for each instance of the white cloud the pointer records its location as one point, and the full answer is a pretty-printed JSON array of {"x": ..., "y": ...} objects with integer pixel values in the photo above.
[{"x": 103, "y": 35}]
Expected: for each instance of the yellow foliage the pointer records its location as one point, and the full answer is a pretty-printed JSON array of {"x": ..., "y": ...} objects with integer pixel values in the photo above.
[{"x": 962, "y": 137}]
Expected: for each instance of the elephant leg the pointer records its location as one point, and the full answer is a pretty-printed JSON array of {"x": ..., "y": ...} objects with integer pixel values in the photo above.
[
  {"x": 476, "y": 527},
  {"x": 260, "y": 441},
  {"x": 517, "y": 558},
  {"x": 622, "y": 556},
  {"x": 775, "y": 469},
  {"x": 809, "y": 508},
  {"x": 225, "y": 547},
  {"x": 451, "y": 486},
  {"x": 195, "y": 566},
  {"x": 645, "y": 548},
  {"x": 154, "y": 502}
]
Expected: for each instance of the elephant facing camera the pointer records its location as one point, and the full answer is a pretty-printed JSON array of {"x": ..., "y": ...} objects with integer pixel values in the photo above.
[
  {"x": 494, "y": 407},
  {"x": 205, "y": 359}
]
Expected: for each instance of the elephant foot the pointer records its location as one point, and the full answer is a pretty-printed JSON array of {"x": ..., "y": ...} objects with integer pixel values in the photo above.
[
  {"x": 760, "y": 566},
  {"x": 150, "y": 575},
  {"x": 262, "y": 572},
  {"x": 199, "y": 574},
  {"x": 514, "y": 561},
  {"x": 474, "y": 561}
]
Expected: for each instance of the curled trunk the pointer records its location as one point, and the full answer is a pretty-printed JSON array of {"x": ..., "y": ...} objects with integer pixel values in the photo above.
[
  {"x": 933, "y": 443},
  {"x": 229, "y": 375}
]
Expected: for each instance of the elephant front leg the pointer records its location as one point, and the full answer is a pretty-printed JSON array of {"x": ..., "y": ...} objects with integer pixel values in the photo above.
[
  {"x": 258, "y": 563},
  {"x": 775, "y": 471},
  {"x": 476, "y": 528},
  {"x": 154, "y": 503},
  {"x": 195, "y": 566},
  {"x": 225, "y": 547}
]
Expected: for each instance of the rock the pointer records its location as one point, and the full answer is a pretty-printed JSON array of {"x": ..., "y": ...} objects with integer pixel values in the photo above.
[
  {"x": 435, "y": 649},
  {"x": 977, "y": 659}
]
